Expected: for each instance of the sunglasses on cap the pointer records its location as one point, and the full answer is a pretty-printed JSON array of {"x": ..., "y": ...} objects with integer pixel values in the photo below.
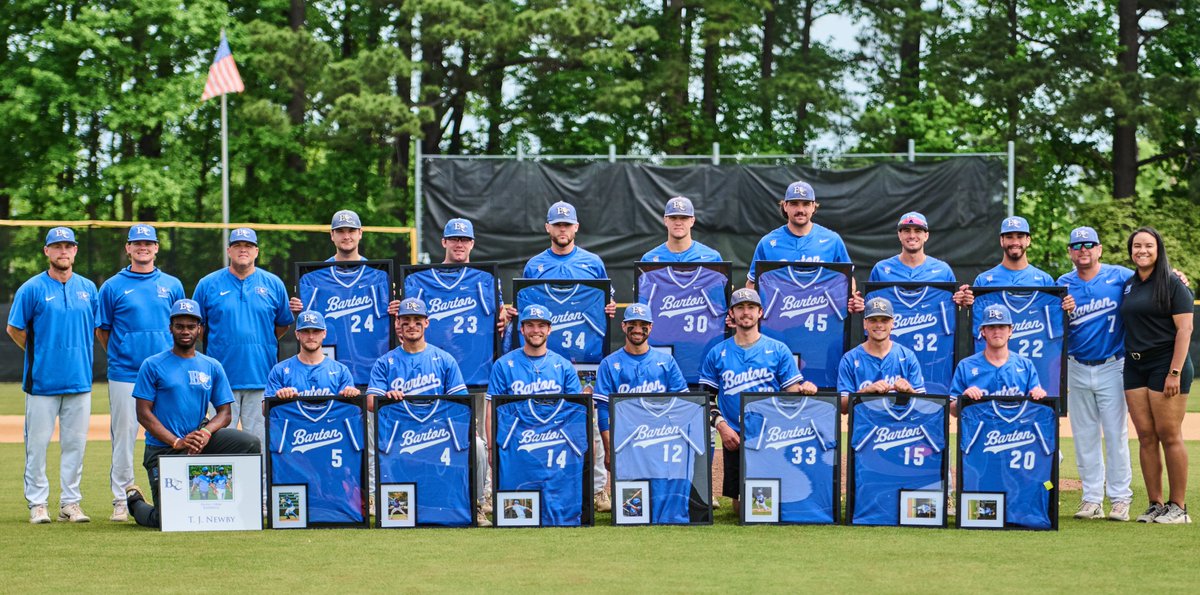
[{"x": 1083, "y": 245}]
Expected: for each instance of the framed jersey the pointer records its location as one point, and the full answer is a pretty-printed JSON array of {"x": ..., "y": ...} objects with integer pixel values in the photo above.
[
  {"x": 1008, "y": 463},
  {"x": 320, "y": 443},
  {"x": 805, "y": 306},
  {"x": 898, "y": 444},
  {"x": 660, "y": 459},
  {"x": 428, "y": 443},
  {"x": 579, "y": 328},
  {"x": 927, "y": 323},
  {"x": 1039, "y": 330},
  {"x": 464, "y": 302},
  {"x": 688, "y": 302},
  {"x": 793, "y": 442},
  {"x": 353, "y": 297},
  {"x": 543, "y": 449}
]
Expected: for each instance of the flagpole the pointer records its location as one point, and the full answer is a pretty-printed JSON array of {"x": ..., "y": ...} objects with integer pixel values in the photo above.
[{"x": 224, "y": 180}]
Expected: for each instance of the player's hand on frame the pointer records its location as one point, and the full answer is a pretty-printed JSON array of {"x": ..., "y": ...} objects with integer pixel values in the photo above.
[
  {"x": 295, "y": 305},
  {"x": 395, "y": 395},
  {"x": 877, "y": 387},
  {"x": 350, "y": 391},
  {"x": 1068, "y": 303},
  {"x": 964, "y": 296},
  {"x": 393, "y": 307},
  {"x": 856, "y": 303},
  {"x": 287, "y": 392},
  {"x": 807, "y": 388},
  {"x": 903, "y": 386},
  {"x": 611, "y": 309},
  {"x": 973, "y": 392},
  {"x": 1037, "y": 393}
]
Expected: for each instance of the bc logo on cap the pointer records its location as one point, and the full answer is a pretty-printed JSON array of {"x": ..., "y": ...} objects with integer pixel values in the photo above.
[
  {"x": 411, "y": 306},
  {"x": 61, "y": 233},
  {"x": 460, "y": 227},
  {"x": 241, "y": 233},
  {"x": 344, "y": 217},
  {"x": 536, "y": 312},
  {"x": 1012, "y": 223},
  {"x": 142, "y": 230},
  {"x": 637, "y": 310},
  {"x": 879, "y": 307},
  {"x": 1079, "y": 233},
  {"x": 185, "y": 306},
  {"x": 563, "y": 211},
  {"x": 677, "y": 205},
  {"x": 310, "y": 317},
  {"x": 995, "y": 314}
]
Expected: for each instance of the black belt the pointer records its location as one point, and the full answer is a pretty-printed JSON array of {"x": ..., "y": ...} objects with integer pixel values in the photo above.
[
  {"x": 1138, "y": 355},
  {"x": 1098, "y": 362}
]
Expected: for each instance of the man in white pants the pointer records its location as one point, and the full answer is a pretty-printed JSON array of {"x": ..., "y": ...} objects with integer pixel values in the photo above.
[
  {"x": 1096, "y": 348},
  {"x": 53, "y": 319},
  {"x": 132, "y": 319}
]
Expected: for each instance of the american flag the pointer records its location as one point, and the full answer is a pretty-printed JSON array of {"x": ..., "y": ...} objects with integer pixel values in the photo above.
[{"x": 223, "y": 75}]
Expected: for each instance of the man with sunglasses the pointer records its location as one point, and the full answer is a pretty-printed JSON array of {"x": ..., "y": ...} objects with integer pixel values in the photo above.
[{"x": 1095, "y": 360}]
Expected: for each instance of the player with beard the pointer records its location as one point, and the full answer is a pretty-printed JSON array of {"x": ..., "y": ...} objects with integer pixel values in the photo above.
[
  {"x": 533, "y": 369},
  {"x": 635, "y": 369}
]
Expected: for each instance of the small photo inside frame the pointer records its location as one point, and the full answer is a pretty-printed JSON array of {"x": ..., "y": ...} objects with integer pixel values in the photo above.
[
  {"x": 519, "y": 509},
  {"x": 399, "y": 501},
  {"x": 330, "y": 351},
  {"x": 289, "y": 506},
  {"x": 981, "y": 510},
  {"x": 761, "y": 504},
  {"x": 922, "y": 508},
  {"x": 587, "y": 374},
  {"x": 632, "y": 502}
]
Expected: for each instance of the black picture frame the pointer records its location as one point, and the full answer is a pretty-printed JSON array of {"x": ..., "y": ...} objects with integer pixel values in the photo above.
[
  {"x": 725, "y": 268},
  {"x": 360, "y": 402},
  {"x": 1055, "y": 290},
  {"x": 957, "y": 351},
  {"x": 700, "y": 510},
  {"x": 766, "y": 324},
  {"x": 587, "y": 512},
  {"x": 492, "y": 268},
  {"x": 604, "y": 285},
  {"x": 472, "y": 485},
  {"x": 829, "y": 397}
]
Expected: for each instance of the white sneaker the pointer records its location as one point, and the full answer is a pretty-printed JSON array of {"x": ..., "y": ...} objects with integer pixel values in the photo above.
[
  {"x": 1151, "y": 513},
  {"x": 1174, "y": 515},
  {"x": 1119, "y": 512},
  {"x": 38, "y": 515},
  {"x": 1090, "y": 510},
  {"x": 603, "y": 502},
  {"x": 120, "y": 511},
  {"x": 72, "y": 513},
  {"x": 481, "y": 519}
]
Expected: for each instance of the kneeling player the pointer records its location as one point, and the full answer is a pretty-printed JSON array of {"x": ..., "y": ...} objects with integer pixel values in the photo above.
[
  {"x": 995, "y": 370},
  {"x": 879, "y": 365},
  {"x": 310, "y": 373}
]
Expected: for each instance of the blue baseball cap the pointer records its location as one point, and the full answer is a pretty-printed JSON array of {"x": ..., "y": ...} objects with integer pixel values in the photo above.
[
  {"x": 638, "y": 312},
  {"x": 535, "y": 312},
  {"x": 459, "y": 228},
  {"x": 878, "y": 307},
  {"x": 60, "y": 234},
  {"x": 1014, "y": 225},
  {"x": 412, "y": 307},
  {"x": 142, "y": 233},
  {"x": 1083, "y": 234},
  {"x": 243, "y": 234},
  {"x": 561, "y": 212},
  {"x": 996, "y": 315},
  {"x": 310, "y": 319},
  {"x": 744, "y": 295},
  {"x": 186, "y": 307},
  {"x": 799, "y": 191},
  {"x": 679, "y": 206},
  {"x": 913, "y": 219},
  {"x": 345, "y": 218}
]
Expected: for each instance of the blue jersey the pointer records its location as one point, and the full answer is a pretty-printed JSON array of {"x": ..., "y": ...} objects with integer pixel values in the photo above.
[
  {"x": 135, "y": 308},
  {"x": 325, "y": 379},
  {"x": 765, "y": 366},
  {"x": 543, "y": 445},
  {"x": 319, "y": 444},
  {"x": 240, "y": 318},
  {"x": 896, "y": 447},
  {"x": 806, "y": 309},
  {"x": 354, "y": 301},
  {"x": 858, "y": 369},
  {"x": 1037, "y": 331},
  {"x": 659, "y": 440},
  {"x": 998, "y": 276},
  {"x": 697, "y": 252},
  {"x": 820, "y": 244},
  {"x": 201, "y": 484},
  {"x": 578, "y": 324},
  {"x": 893, "y": 270},
  {"x": 622, "y": 372},
  {"x": 1097, "y": 330},
  {"x": 794, "y": 440},
  {"x": 180, "y": 389},
  {"x": 427, "y": 442},
  {"x": 59, "y": 320},
  {"x": 515, "y": 373},
  {"x": 1017, "y": 376},
  {"x": 220, "y": 482},
  {"x": 429, "y": 372},
  {"x": 462, "y": 316},
  {"x": 689, "y": 309},
  {"x": 578, "y": 264},
  {"x": 1010, "y": 448},
  {"x": 925, "y": 323}
]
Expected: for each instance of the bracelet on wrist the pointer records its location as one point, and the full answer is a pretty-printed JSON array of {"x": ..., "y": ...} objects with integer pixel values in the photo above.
[{"x": 206, "y": 431}]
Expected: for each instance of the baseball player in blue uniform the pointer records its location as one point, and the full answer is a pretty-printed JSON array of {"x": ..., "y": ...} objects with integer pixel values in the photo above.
[
  {"x": 1014, "y": 269},
  {"x": 415, "y": 368},
  {"x": 679, "y": 216},
  {"x": 310, "y": 373},
  {"x": 345, "y": 231},
  {"x": 634, "y": 369},
  {"x": 1096, "y": 361},
  {"x": 747, "y": 361},
  {"x": 174, "y": 392},
  {"x": 995, "y": 370},
  {"x": 533, "y": 369},
  {"x": 53, "y": 319},
  {"x": 879, "y": 365},
  {"x": 132, "y": 326},
  {"x": 912, "y": 265},
  {"x": 246, "y": 311}
]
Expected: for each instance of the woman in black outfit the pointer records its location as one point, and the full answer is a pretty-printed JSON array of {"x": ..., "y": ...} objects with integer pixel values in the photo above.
[{"x": 1157, "y": 310}]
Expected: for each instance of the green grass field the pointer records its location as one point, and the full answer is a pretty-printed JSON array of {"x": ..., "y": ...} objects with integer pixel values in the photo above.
[{"x": 102, "y": 556}]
